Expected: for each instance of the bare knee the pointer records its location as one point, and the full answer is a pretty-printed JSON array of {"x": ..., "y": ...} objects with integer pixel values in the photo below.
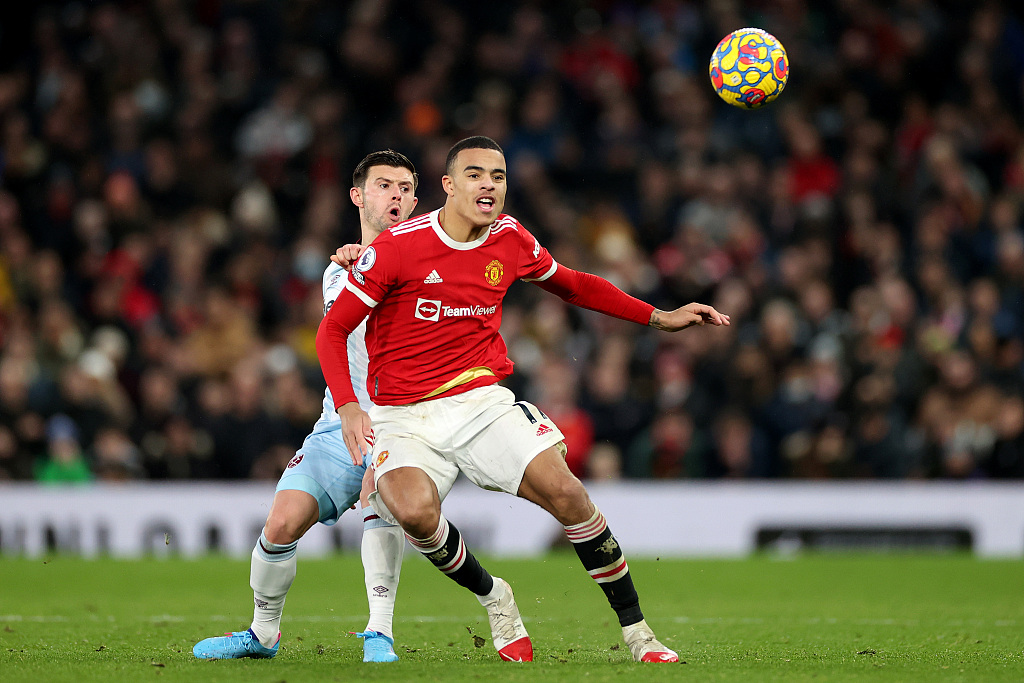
[
  {"x": 417, "y": 513},
  {"x": 291, "y": 516},
  {"x": 281, "y": 530},
  {"x": 419, "y": 521},
  {"x": 412, "y": 499},
  {"x": 568, "y": 500},
  {"x": 548, "y": 482}
]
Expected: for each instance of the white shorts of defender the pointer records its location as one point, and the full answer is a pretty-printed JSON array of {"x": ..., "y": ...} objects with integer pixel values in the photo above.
[{"x": 483, "y": 432}]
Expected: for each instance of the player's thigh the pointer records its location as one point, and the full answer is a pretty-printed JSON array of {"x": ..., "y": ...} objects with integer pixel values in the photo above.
[
  {"x": 369, "y": 486},
  {"x": 409, "y": 474},
  {"x": 510, "y": 435},
  {"x": 323, "y": 469},
  {"x": 414, "y": 435}
]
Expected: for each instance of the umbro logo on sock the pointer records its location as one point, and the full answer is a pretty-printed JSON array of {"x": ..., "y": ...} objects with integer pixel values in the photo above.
[
  {"x": 380, "y": 590},
  {"x": 542, "y": 430},
  {"x": 433, "y": 278}
]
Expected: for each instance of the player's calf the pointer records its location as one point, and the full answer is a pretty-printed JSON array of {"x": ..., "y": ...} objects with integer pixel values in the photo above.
[
  {"x": 603, "y": 559},
  {"x": 272, "y": 571},
  {"x": 447, "y": 551}
]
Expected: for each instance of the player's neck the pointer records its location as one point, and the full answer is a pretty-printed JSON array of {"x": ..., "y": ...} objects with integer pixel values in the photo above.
[
  {"x": 367, "y": 234},
  {"x": 457, "y": 227}
]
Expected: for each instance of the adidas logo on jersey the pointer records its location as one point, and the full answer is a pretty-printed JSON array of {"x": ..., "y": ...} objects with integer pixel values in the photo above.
[
  {"x": 433, "y": 278},
  {"x": 543, "y": 429}
]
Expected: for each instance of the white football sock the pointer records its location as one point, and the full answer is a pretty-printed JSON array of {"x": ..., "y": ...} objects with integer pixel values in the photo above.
[
  {"x": 497, "y": 591},
  {"x": 271, "y": 575},
  {"x": 381, "y": 549}
]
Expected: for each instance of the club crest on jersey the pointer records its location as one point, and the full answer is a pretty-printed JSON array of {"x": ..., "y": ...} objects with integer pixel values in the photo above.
[
  {"x": 367, "y": 260},
  {"x": 295, "y": 460},
  {"x": 494, "y": 272},
  {"x": 428, "y": 309},
  {"x": 379, "y": 460}
]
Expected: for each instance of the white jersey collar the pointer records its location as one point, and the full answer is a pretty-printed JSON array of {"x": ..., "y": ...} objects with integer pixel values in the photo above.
[{"x": 444, "y": 237}]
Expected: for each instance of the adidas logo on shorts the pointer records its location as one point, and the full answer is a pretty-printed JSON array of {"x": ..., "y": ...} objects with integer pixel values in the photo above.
[{"x": 543, "y": 429}]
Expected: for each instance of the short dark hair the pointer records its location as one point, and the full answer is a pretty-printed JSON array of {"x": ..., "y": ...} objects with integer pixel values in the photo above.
[
  {"x": 475, "y": 142},
  {"x": 387, "y": 157}
]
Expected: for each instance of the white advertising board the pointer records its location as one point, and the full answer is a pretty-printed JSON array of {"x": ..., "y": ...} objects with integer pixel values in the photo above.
[{"x": 649, "y": 518}]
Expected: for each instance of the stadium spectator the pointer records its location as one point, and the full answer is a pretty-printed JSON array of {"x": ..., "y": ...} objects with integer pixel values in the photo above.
[
  {"x": 172, "y": 172},
  {"x": 116, "y": 458},
  {"x": 64, "y": 461}
]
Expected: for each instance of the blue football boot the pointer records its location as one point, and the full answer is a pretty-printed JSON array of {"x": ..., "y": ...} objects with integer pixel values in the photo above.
[
  {"x": 235, "y": 645},
  {"x": 377, "y": 647}
]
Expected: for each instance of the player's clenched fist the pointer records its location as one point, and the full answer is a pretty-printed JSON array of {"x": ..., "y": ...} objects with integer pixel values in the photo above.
[{"x": 347, "y": 255}]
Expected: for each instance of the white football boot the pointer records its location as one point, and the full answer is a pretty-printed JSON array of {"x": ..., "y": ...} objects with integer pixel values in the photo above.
[
  {"x": 507, "y": 631},
  {"x": 644, "y": 646}
]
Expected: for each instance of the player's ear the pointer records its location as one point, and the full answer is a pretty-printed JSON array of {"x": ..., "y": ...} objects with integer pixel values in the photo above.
[
  {"x": 447, "y": 185},
  {"x": 356, "y": 195},
  {"x": 415, "y": 201}
]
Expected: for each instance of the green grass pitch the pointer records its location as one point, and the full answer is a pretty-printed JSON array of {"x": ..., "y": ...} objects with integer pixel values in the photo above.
[{"x": 812, "y": 618}]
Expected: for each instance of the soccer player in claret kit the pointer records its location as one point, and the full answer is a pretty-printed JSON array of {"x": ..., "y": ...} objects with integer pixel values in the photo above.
[
  {"x": 433, "y": 287},
  {"x": 322, "y": 480}
]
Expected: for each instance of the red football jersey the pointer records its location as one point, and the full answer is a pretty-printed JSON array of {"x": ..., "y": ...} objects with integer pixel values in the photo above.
[{"x": 437, "y": 306}]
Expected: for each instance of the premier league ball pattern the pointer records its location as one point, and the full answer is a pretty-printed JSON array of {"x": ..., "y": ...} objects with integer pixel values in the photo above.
[{"x": 749, "y": 68}]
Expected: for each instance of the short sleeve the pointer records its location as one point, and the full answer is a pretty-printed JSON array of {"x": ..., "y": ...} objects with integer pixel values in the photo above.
[
  {"x": 333, "y": 284},
  {"x": 535, "y": 263},
  {"x": 376, "y": 271}
]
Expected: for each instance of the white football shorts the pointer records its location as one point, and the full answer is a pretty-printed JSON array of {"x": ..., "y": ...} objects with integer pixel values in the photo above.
[{"x": 483, "y": 432}]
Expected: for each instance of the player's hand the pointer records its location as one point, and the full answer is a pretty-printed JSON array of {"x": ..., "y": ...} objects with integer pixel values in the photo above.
[
  {"x": 347, "y": 255},
  {"x": 687, "y": 316},
  {"x": 355, "y": 429}
]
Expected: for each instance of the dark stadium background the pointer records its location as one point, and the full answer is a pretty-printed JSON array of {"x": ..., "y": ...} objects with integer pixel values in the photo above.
[{"x": 174, "y": 175}]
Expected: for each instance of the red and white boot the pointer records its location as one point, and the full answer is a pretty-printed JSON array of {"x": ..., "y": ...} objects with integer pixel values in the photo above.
[
  {"x": 507, "y": 631},
  {"x": 644, "y": 646}
]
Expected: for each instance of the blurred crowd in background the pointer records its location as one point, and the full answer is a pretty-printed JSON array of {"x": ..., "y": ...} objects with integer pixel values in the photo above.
[{"x": 174, "y": 175}]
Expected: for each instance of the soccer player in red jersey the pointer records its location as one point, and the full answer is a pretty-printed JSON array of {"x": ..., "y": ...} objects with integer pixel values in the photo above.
[{"x": 433, "y": 287}]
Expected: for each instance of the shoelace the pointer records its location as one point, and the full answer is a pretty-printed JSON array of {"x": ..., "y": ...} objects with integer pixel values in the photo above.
[
  {"x": 244, "y": 638},
  {"x": 506, "y": 625},
  {"x": 639, "y": 639},
  {"x": 366, "y": 634}
]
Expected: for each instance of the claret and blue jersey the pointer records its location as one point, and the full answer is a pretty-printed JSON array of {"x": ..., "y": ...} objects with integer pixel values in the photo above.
[{"x": 334, "y": 281}]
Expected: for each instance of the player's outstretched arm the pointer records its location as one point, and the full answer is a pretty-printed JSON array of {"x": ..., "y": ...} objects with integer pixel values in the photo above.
[
  {"x": 597, "y": 294},
  {"x": 687, "y": 316}
]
